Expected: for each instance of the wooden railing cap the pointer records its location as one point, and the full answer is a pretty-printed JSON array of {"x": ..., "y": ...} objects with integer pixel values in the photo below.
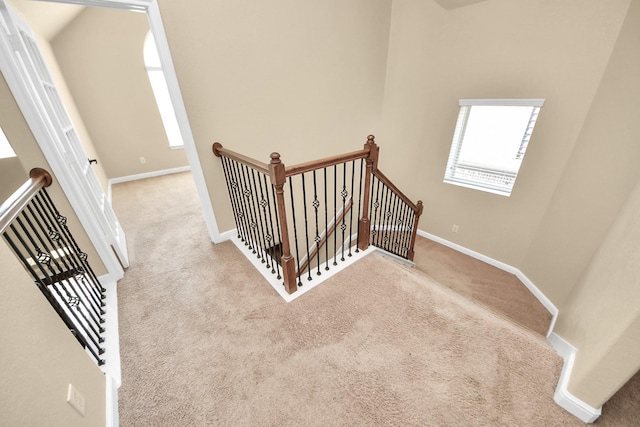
[
  {"x": 275, "y": 158},
  {"x": 39, "y": 173},
  {"x": 216, "y": 149}
]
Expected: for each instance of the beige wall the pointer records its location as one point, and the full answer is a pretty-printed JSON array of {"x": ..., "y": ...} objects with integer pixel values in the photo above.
[
  {"x": 40, "y": 358},
  {"x": 12, "y": 176},
  {"x": 601, "y": 314},
  {"x": 549, "y": 49},
  {"x": 100, "y": 56},
  {"x": 304, "y": 78},
  {"x": 602, "y": 171},
  {"x": 30, "y": 156},
  {"x": 602, "y": 317}
]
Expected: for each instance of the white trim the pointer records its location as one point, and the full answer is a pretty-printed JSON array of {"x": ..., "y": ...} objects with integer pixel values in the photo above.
[
  {"x": 546, "y": 302},
  {"x": 228, "y": 235},
  {"x": 277, "y": 284},
  {"x": 562, "y": 396},
  {"x": 537, "y": 102},
  {"x": 112, "y": 415},
  {"x": 144, "y": 175},
  {"x": 31, "y": 108},
  {"x": 112, "y": 365},
  {"x": 157, "y": 28}
]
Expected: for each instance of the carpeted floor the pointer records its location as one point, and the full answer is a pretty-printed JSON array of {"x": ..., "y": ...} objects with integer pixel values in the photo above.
[{"x": 205, "y": 341}]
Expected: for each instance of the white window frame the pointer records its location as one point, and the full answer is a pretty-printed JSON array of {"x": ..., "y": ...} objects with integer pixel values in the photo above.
[
  {"x": 161, "y": 93},
  {"x": 485, "y": 178}
]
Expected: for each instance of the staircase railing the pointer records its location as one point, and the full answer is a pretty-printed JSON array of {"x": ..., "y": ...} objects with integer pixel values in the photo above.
[
  {"x": 38, "y": 234},
  {"x": 335, "y": 206}
]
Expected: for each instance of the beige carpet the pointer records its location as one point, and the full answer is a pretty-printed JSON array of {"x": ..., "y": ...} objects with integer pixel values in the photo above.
[
  {"x": 495, "y": 289},
  {"x": 205, "y": 341}
]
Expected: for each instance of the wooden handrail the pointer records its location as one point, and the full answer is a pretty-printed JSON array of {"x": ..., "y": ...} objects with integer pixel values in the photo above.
[
  {"x": 326, "y": 162},
  {"x": 12, "y": 207},
  {"x": 395, "y": 189},
  {"x": 220, "y": 151}
]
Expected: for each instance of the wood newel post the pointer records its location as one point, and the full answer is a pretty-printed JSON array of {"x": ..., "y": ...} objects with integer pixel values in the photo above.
[
  {"x": 364, "y": 223},
  {"x": 278, "y": 179},
  {"x": 415, "y": 232}
]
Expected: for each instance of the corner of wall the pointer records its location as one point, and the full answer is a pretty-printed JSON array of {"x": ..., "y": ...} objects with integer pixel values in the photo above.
[{"x": 562, "y": 396}]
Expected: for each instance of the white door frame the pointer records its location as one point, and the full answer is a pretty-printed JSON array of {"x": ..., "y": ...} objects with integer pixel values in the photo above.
[
  {"x": 31, "y": 106},
  {"x": 152, "y": 10}
]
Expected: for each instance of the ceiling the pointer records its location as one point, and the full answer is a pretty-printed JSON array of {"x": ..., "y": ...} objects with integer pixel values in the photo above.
[{"x": 47, "y": 19}]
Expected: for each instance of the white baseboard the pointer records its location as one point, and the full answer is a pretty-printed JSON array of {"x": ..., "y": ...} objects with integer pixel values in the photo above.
[
  {"x": 227, "y": 235},
  {"x": 562, "y": 396},
  {"x": 112, "y": 415},
  {"x": 277, "y": 284},
  {"x": 551, "y": 308},
  {"x": 145, "y": 175}
]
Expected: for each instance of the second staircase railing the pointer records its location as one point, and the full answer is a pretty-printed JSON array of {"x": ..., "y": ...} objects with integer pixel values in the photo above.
[{"x": 301, "y": 221}]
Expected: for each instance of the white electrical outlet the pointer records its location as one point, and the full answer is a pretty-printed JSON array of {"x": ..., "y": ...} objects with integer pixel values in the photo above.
[
  {"x": 143, "y": 160},
  {"x": 454, "y": 228},
  {"x": 75, "y": 399}
]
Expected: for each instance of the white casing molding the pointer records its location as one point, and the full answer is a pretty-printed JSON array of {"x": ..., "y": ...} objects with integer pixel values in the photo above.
[
  {"x": 152, "y": 10},
  {"x": 145, "y": 175},
  {"x": 562, "y": 396},
  {"x": 546, "y": 302},
  {"x": 112, "y": 367},
  {"x": 112, "y": 415}
]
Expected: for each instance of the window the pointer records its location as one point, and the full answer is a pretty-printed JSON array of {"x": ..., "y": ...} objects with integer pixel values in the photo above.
[
  {"x": 161, "y": 92},
  {"x": 489, "y": 143},
  {"x": 5, "y": 148}
]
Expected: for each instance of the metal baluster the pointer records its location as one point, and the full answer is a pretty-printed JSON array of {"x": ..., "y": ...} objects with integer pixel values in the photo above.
[
  {"x": 374, "y": 208},
  {"x": 344, "y": 195},
  {"x": 279, "y": 249},
  {"x": 326, "y": 224},
  {"x": 306, "y": 225},
  {"x": 76, "y": 257},
  {"x": 54, "y": 234},
  {"x": 254, "y": 214},
  {"x": 387, "y": 215},
  {"x": 353, "y": 177},
  {"x": 393, "y": 224},
  {"x": 37, "y": 261},
  {"x": 49, "y": 296},
  {"x": 335, "y": 214},
  {"x": 64, "y": 266},
  {"x": 407, "y": 229},
  {"x": 246, "y": 192},
  {"x": 44, "y": 252},
  {"x": 359, "y": 201},
  {"x": 243, "y": 213},
  {"x": 245, "y": 206},
  {"x": 403, "y": 225},
  {"x": 316, "y": 205},
  {"x": 381, "y": 231},
  {"x": 295, "y": 231},
  {"x": 225, "y": 169},
  {"x": 271, "y": 236},
  {"x": 62, "y": 222},
  {"x": 259, "y": 219}
]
